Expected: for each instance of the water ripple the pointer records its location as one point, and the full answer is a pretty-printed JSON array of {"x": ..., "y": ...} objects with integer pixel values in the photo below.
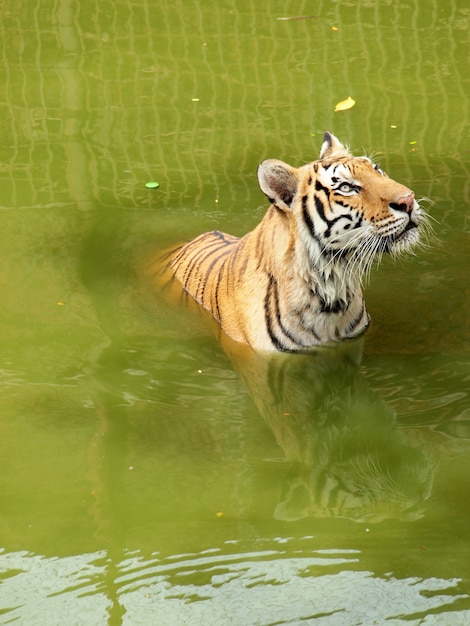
[{"x": 282, "y": 582}]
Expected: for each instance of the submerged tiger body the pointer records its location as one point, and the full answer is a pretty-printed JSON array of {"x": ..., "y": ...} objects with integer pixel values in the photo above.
[{"x": 294, "y": 282}]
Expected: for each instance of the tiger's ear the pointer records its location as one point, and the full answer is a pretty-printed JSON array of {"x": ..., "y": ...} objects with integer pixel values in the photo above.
[
  {"x": 332, "y": 147},
  {"x": 278, "y": 181}
]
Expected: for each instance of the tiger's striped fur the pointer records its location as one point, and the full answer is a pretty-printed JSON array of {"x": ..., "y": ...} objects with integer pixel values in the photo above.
[{"x": 294, "y": 282}]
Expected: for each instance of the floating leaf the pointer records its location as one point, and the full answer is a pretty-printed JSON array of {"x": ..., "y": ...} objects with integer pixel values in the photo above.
[{"x": 344, "y": 105}]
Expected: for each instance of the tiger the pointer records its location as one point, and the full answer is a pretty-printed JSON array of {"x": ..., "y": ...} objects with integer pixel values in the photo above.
[{"x": 295, "y": 281}]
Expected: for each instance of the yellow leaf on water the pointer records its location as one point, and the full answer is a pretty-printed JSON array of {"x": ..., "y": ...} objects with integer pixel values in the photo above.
[{"x": 344, "y": 105}]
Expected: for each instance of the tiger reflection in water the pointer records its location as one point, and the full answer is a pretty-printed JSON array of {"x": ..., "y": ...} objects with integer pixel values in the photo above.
[{"x": 347, "y": 458}]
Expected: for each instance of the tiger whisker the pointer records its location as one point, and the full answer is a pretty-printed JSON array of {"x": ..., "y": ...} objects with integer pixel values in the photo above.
[
  {"x": 362, "y": 257},
  {"x": 351, "y": 244}
]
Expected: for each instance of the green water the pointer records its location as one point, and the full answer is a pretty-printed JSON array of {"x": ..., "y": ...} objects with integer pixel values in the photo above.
[{"x": 144, "y": 477}]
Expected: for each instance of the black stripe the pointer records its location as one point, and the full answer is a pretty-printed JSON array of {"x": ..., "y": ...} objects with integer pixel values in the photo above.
[
  {"x": 259, "y": 248},
  {"x": 356, "y": 321},
  {"x": 215, "y": 308},
  {"x": 221, "y": 236},
  {"x": 330, "y": 223},
  {"x": 272, "y": 293},
  {"x": 215, "y": 304},
  {"x": 311, "y": 228},
  {"x": 320, "y": 187},
  {"x": 307, "y": 219},
  {"x": 193, "y": 262},
  {"x": 187, "y": 251},
  {"x": 246, "y": 261},
  {"x": 268, "y": 316},
  {"x": 178, "y": 256},
  {"x": 201, "y": 254},
  {"x": 208, "y": 270},
  {"x": 320, "y": 209}
]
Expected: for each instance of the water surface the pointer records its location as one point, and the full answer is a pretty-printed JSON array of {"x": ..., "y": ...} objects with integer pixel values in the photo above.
[{"x": 145, "y": 476}]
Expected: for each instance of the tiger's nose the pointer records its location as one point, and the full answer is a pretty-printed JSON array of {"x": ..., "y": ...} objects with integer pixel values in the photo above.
[{"x": 406, "y": 203}]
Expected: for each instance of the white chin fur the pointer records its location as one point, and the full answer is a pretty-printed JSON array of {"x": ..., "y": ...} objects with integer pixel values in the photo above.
[{"x": 405, "y": 241}]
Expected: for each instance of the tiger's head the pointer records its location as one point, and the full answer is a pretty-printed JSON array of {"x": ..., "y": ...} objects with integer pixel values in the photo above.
[{"x": 343, "y": 207}]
